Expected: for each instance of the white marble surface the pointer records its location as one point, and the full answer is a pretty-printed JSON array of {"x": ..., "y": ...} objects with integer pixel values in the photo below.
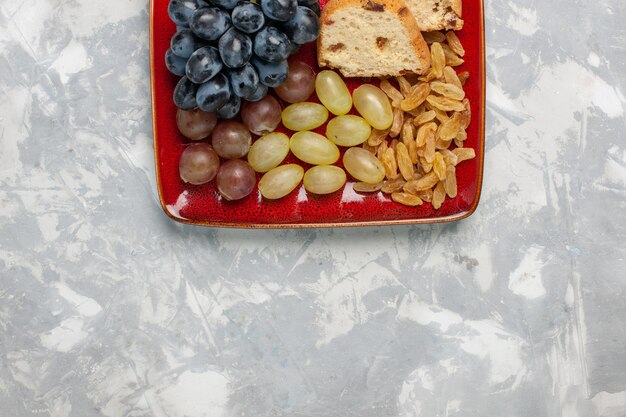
[{"x": 107, "y": 308}]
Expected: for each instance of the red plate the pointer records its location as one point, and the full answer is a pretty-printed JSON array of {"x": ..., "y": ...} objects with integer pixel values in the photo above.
[{"x": 202, "y": 205}]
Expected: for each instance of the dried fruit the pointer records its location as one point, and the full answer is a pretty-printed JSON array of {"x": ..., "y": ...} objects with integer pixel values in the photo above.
[
  {"x": 364, "y": 187},
  {"x": 427, "y": 182},
  {"x": 466, "y": 113},
  {"x": 369, "y": 148},
  {"x": 413, "y": 152},
  {"x": 449, "y": 156},
  {"x": 449, "y": 129},
  {"x": 408, "y": 132},
  {"x": 448, "y": 90},
  {"x": 398, "y": 121},
  {"x": 449, "y": 74},
  {"x": 429, "y": 113},
  {"x": 428, "y": 77},
  {"x": 377, "y": 137},
  {"x": 442, "y": 144},
  {"x": 423, "y": 132},
  {"x": 451, "y": 58},
  {"x": 407, "y": 199},
  {"x": 439, "y": 195},
  {"x": 424, "y": 117},
  {"x": 450, "y": 182},
  {"x": 454, "y": 43},
  {"x": 404, "y": 162},
  {"x": 439, "y": 166},
  {"x": 438, "y": 59},
  {"x": 405, "y": 85},
  {"x": 445, "y": 104},
  {"x": 464, "y": 154},
  {"x": 392, "y": 92},
  {"x": 393, "y": 186},
  {"x": 382, "y": 148},
  {"x": 418, "y": 111},
  {"x": 416, "y": 96},
  {"x": 440, "y": 115},
  {"x": 394, "y": 144},
  {"x": 389, "y": 164},
  {"x": 430, "y": 148},
  {"x": 426, "y": 195}
]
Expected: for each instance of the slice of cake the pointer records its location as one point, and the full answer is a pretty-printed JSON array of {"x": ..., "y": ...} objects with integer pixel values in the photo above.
[
  {"x": 371, "y": 38},
  {"x": 437, "y": 14}
]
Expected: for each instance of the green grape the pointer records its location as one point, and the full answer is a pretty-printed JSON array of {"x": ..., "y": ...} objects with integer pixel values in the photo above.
[
  {"x": 373, "y": 104},
  {"x": 268, "y": 151},
  {"x": 280, "y": 181},
  {"x": 348, "y": 130},
  {"x": 363, "y": 165},
  {"x": 324, "y": 179},
  {"x": 313, "y": 148},
  {"x": 304, "y": 116},
  {"x": 333, "y": 93}
]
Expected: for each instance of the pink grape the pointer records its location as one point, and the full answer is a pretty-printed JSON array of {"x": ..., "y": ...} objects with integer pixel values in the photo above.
[
  {"x": 263, "y": 116},
  {"x": 236, "y": 179},
  {"x": 198, "y": 164},
  {"x": 231, "y": 139},
  {"x": 299, "y": 85},
  {"x": 195, "y": 124}
]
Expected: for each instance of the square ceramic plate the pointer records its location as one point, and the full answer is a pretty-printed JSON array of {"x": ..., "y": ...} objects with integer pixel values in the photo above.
[{"x": 203, "y": 205}]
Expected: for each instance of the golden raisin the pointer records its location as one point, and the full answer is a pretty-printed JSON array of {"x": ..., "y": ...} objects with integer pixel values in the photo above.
[
  {"x": 438, "y": 59},
  {"x": 450, "y": 57},
  {"x": 404, "y": 161},
  {"x": 392, "y": 92},
  {"x": 416, "y": 96},
  {"x": 407, "y": 199},
  {"x": 427, "y": 182},
  {"x": 448, "y": 90},
  {"x": 424, "y": 118},
  {"x": 398, "y": 121},
  {"x": 464, "y": 154},
  {"x": 439, "y": 166},
  {"x": 393, "y": 186},
  {"x": 445, "y": 104},
  {"x": 439, "y": 195},
  {"x": 450, "y": 182},
  {"x": 363, "y": 187},
  {"x": 377, "y": 137},
  {"x": 454, "y": 43},
  {"x": 451, "y": 77},
  {"x": 390, "y": 164}
]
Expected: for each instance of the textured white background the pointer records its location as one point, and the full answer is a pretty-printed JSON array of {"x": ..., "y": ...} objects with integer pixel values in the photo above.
[{"x": 107, "y": 308}]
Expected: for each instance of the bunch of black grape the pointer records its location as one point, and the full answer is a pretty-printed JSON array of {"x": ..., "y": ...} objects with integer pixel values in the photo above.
[{"x": 229, "y": 50}]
